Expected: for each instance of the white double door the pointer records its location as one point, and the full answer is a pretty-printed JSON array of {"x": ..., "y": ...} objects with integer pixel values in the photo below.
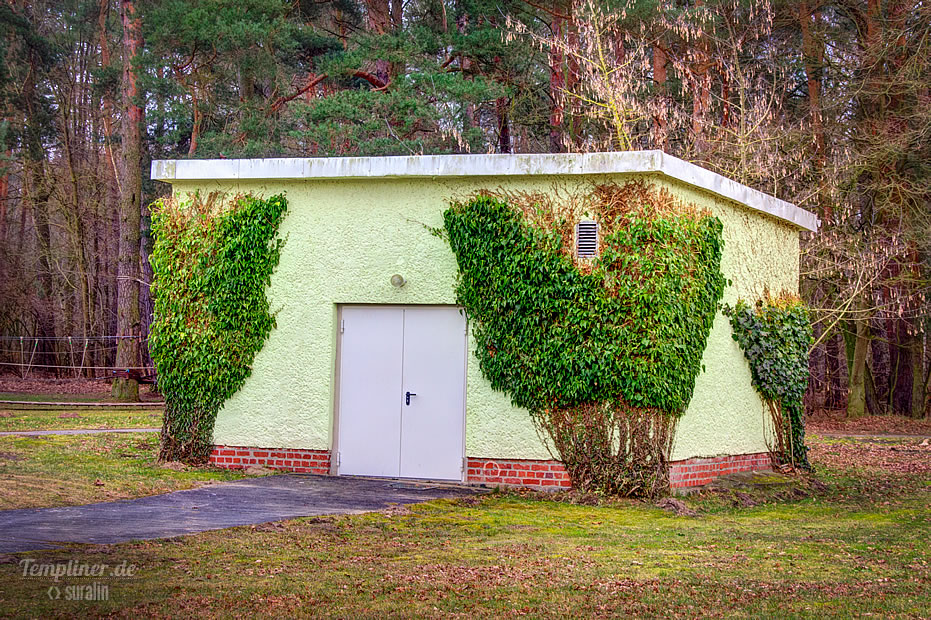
[{"x": 401, "y": 392}]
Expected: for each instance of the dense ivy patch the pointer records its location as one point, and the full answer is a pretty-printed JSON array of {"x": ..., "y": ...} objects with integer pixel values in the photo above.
[
  {"x": 775, "y": 336},
  {"x": 212, "y": 261},
  {"x": 604, "y": 357}
]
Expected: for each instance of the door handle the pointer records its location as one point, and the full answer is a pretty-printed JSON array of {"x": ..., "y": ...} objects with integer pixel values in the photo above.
[{"x": 407, "y": 397}]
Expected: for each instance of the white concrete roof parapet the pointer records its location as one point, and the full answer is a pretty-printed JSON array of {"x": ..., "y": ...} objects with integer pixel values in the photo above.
[{"x": 291, "y": 169}]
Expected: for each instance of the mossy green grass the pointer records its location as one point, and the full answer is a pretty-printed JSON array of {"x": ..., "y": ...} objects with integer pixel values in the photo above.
[
  {"x": 77, "y": 418},
  {"x": 62, "y": 470},
  {"x": 842, "y": 543}
]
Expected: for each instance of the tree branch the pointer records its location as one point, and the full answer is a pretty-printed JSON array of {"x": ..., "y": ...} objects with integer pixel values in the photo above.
[{"x": 283, "y": 100}]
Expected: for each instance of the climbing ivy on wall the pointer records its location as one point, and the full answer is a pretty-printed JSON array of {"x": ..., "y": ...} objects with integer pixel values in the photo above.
[
  {"x": 603, "y": 352},
  {"x": 212, "y": 260},
  {"x": 775, "y": 336}
]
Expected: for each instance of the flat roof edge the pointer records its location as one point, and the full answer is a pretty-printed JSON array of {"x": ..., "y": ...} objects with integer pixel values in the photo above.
[{"x": 431, "y": 166}]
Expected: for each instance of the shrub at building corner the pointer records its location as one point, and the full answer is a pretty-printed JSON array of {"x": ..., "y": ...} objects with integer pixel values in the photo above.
[
  {"x": 775, "y": 335},
  {"x": 212, "y": 261},
  {"x": 603, "y": 352}
]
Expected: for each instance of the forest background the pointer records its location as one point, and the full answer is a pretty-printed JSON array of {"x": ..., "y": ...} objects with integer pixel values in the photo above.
[{"x": 826, "y": 104}]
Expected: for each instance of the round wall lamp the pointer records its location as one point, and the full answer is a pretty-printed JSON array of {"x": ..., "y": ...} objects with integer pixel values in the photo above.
[{"x": 397, "y": 280}]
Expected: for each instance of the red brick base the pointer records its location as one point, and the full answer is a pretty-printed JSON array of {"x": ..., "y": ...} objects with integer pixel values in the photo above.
[
  {"x": 517, "y": 473},
  {"x": 552, "y": 474},
  {"x": 697, "y": 472},
  {"x": 547, "y": 475},
  {"x": 303, "y": 461}
]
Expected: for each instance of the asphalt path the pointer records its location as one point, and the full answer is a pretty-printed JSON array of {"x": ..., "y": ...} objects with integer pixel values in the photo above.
[{"x": 212, "y": 507}]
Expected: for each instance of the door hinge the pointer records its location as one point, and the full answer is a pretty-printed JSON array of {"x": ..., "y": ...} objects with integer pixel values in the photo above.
[
  {"x": 465, "y": 462},
  {"x": 342, "y": 326},
  {"x": 338, "y": 459}
]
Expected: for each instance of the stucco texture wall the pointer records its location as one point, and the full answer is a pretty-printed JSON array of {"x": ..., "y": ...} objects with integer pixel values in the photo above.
[
  {"x": 726, "y": 415},
  {"x": 344, "y": 240}
]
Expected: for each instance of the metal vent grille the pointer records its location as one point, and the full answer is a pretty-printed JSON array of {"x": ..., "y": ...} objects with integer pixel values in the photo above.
[{"x": 586, "y": 239}]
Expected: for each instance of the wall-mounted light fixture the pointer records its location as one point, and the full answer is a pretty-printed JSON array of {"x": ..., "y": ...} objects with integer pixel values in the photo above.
[{"x": 397, "y": 280}]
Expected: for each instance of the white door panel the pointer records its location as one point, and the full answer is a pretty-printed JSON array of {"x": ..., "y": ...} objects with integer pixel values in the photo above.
[
  {"x": 370, "y": 373},
  {"x": 434, "y": 370}
]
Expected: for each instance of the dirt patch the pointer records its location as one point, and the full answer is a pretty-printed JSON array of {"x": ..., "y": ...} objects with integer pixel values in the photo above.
[
  {"x": 397, "y": 510},
  {"x": 7, "y": 414},
  {"x": 10, "y": 456},
  {"x": 258, "y": 470},
  {"x": 680, "y": 508},
  {"x": 175, "y": 466},
  {"x": 69, "y": 415},
  {"x": 836, "y": 421}
]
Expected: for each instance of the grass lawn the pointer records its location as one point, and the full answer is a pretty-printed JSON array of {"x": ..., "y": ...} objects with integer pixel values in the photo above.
[
  {"x": 54, "y": 398},
  {"x": 55, "y": 419},
  {"x": 61, "y": 470},
  {"x": 69, "y": 398},
  {"x": 853, "y": 542}
]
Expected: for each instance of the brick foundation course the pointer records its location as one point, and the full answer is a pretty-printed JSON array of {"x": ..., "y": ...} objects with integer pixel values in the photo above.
[
  {"x": 302, "y": 461},
  {"x": 547, "y": 475},
  {"x": 698, "y": 472},
  {"x": 550, "y": 475},
  {"x": 539, "y": 474}
]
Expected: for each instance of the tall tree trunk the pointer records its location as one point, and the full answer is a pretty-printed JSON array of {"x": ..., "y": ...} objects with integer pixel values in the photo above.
[
  {"x": 76, "y": 217},
  {"x": 129, "y": 323},
  {"x": 857, "y": 385},
  {"x": 813, "y": 57},
  {"x": 379, "y": 13},
  {"x": 909, "y": 386},
  {"x": 557, "y": 88},
  {"x": 661, "y": 115},
  {"x": 700, "y": 79},
  {"x": 4, "y": 195},
  {"x": 103, "y": 10},
  {"x": 833, "y": 378},
  {"x": 918, "y": 372},
  {"x": 504, "y": 126},
  {"x": 198, "y": 117},
  {"x": 36, "y": 194},
  {"x": 701, "y": 103},
  {"x": 573, "y": 76},
  {"x": 926, "y": 378},
  {"x": 109, "y": 196}
]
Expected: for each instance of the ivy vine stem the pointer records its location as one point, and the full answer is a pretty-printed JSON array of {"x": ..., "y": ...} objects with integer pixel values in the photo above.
[{"x": 775, "y": 336}]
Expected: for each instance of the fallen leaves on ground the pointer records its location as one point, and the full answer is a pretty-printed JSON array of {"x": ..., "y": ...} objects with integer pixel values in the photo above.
[
  {"x": 900, "y": 457},
  {"x": 37, "y": 384},
  {"x": 835, "y": 421}
]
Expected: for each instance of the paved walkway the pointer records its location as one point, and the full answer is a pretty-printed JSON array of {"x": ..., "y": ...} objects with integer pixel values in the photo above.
[
  {"x": 79, "y": 431},
  {"x": 212, "y": 507}
]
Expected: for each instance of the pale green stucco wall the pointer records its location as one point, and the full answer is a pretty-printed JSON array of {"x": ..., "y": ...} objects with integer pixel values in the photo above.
[
  {"x": 726, "y": 415},
  {"x": 345, "y": 238}
]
